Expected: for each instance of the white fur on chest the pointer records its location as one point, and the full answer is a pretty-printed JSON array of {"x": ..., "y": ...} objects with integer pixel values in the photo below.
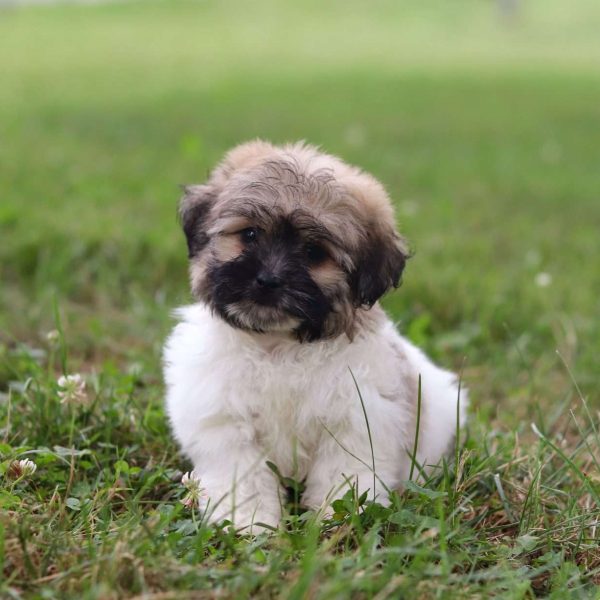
[{"x": 232, "y": 395}]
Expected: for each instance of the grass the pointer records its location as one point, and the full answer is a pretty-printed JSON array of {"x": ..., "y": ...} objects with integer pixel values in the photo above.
[{"x": 484, "y": 130}]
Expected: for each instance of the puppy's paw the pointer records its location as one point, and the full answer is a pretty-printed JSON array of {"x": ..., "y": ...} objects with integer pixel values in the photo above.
[
  {"x": 246, "y": 517},
  {"x": 257, "y": 521}
]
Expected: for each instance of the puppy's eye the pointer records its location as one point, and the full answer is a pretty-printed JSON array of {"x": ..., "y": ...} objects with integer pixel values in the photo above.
[
  {"x": 316, "y": 254},
  {"x": 249, "y": 235}
]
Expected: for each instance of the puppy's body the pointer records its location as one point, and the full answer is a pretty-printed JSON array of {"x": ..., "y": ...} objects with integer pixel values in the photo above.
[{"x": 270, "y": 363}]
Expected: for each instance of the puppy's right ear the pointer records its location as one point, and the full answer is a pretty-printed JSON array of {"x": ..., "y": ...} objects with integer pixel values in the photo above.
[{"x": 194, "y": 209}]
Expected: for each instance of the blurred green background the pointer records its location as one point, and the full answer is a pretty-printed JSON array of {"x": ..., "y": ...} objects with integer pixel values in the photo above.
[{"x": 482, "y": 118}]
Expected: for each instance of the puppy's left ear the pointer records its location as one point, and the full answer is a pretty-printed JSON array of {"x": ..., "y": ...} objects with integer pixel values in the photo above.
[
  {"x": 194, "y": 209},
  {"x": 382, "y": 259}
]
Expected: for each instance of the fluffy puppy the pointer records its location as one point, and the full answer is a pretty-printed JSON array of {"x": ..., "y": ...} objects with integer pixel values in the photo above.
[{"x": 289, "y": 250}]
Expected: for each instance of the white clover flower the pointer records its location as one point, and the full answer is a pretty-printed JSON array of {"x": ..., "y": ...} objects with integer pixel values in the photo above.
[
  {"x": 21, "y": 468},
  {"x": 52, "y": 336},
  {"x": 72, "y": 389},
  {"x": 543, "y": 279},
  {"x": 195, "y": 492}
]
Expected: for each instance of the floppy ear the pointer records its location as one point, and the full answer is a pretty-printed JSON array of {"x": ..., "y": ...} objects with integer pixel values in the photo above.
[
  {"x": 194, "y": 208},
  {"x": 379, "y": 267}
]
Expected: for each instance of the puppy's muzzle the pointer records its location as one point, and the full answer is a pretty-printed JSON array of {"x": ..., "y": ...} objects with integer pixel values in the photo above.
[
  {"x": 268, "y": 288},
  {"x": 268, "y": 281}
]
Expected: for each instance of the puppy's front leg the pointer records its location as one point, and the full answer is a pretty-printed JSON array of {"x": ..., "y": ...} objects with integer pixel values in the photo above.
[
  {"x": 337, "y": 466},
  {"x": 233, "y": 473}
]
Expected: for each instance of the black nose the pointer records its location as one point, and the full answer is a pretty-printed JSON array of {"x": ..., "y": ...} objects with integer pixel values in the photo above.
[{"x": 268, "y": 280}]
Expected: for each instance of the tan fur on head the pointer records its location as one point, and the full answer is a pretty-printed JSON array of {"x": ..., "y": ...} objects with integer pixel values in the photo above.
[{"x": 322, "y": 200}]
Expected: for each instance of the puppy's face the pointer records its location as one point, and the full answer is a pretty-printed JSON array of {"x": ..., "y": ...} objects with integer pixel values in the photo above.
[{"x": 289, "y": 239}]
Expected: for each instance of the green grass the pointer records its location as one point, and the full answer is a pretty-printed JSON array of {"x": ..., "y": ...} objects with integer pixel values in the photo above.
[{"x": 485, "y": 131}]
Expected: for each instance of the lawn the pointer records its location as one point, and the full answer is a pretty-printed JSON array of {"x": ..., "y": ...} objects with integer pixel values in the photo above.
[{"x": 485, "y": 128}]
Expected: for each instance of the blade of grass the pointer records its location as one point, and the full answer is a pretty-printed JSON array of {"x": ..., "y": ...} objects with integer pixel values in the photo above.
[
  {"x": 457, "y": 434},
  {"x": 417, "y": 426},
  {"x": 503, "y": 499},
  {"x": 360, "y": 460},
  {"x": 581, "y": 396},
  {"x": 569, "y": 462},
  {"x": 61, "y": 335},
  {"x": 362, "y": 403}
]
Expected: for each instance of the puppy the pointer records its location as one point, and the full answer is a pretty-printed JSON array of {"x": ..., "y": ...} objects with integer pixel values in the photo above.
[{"x": 286, "y": 356}]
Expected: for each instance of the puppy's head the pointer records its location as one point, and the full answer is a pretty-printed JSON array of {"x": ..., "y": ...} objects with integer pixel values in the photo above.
[{"x": 290, "y": 239}]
